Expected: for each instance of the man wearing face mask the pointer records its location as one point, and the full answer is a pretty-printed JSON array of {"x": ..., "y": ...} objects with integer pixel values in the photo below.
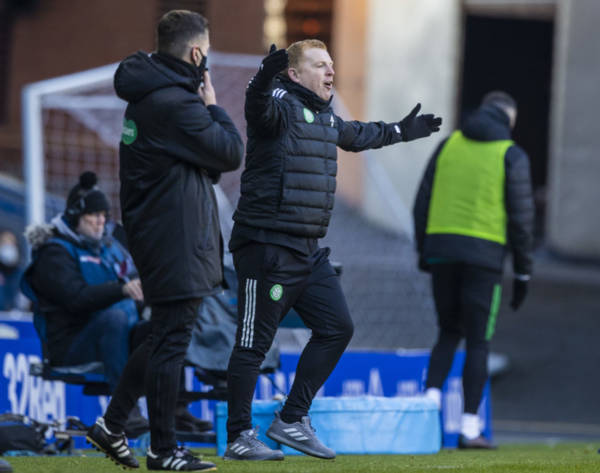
[
  {"x": 9, "y": 270},
  {"x": 287, "y": 194},
  {"x": 85, "y": 283},
  {"x": 176, "y": 141}
]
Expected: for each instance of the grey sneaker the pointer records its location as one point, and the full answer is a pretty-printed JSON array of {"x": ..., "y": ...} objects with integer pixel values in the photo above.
[
  {"x": 248, "y": 447},
  {"x": 299, "y": 435},
  {"x": 5, "y": 466}
]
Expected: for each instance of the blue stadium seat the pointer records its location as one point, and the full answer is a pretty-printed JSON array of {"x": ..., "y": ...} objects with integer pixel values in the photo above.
[{"x": 89, "y": 375}]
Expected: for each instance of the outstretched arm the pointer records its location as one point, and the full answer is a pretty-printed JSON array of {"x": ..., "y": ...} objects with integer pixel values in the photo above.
[
  {"x": 264, "y": 113},
  {"x": 358, "y": 136}
]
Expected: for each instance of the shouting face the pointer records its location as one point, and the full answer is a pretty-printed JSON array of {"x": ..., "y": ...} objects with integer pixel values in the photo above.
[{"x": 315, "y": 72}]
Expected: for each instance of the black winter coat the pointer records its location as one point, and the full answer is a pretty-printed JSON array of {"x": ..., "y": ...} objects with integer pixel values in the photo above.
[
  {"x": 488, "y": 123},
  {"x": 289, "y": 180},
  {"x": 172, "y": 148},
  {"x": 64, "y": 296}
]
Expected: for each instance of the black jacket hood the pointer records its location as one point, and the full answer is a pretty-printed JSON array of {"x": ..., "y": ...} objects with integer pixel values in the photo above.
[
  {"x": 487, "y": 123},
  {"x": 142, "y": 73}
]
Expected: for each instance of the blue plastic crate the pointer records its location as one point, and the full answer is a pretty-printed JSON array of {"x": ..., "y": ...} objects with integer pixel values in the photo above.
[{"x": 356, "y": 425}]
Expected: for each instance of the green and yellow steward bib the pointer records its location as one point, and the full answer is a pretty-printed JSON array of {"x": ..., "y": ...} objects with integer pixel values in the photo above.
[{"x": 468, "y": 189}]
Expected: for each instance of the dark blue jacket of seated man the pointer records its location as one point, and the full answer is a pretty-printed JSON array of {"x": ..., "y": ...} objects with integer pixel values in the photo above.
[{"x": 85, "y": 282}]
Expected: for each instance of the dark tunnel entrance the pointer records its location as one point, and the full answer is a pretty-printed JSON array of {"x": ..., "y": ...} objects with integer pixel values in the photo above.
[{"x": 514, "y": 55}]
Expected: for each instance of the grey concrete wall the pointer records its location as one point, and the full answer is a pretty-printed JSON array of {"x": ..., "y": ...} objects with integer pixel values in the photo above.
[
  {"x": 412, "y": 56},
  {"x": 573, "y": 220}
]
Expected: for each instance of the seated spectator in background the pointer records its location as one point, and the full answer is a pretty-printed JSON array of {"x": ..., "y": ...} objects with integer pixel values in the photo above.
[
  {"x": 10, "y": 270},
  {"x": 85, "y": 282},
  {"x": 88, "y": 290}
]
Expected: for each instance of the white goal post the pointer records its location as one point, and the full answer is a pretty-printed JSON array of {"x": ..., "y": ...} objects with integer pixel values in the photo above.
[
  {"x": 34, "y": 96},
  {"x": 88, "y": 98}
]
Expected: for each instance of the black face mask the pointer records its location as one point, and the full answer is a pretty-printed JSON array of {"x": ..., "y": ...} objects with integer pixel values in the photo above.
[{"x": 201, "y": 68}]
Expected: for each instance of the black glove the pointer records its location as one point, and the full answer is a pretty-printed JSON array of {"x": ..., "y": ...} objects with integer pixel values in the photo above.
[
  {"x": 276, "y": 61},
  {"x": 413, "y": 126},
  {"x": 519, "y": 293}
]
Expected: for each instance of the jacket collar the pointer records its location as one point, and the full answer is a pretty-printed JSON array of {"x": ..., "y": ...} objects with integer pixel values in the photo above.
[
  {"x": 65, "y": 232},
  {"x": 306, "y": 96},
  {"x": 180, "y": 67}
]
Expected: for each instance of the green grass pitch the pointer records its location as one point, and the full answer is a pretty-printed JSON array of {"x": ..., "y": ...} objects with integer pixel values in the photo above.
[{"x": 561, "y": 458}]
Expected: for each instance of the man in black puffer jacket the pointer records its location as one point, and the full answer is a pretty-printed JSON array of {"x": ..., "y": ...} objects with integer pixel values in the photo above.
[
  {"x": 176, "y": 141},
  {"x": 287, "y": 194},
  {"x": 474, "y": 203}
]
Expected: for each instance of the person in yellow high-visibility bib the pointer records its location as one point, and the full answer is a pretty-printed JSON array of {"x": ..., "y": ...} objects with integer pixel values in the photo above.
[{"x": 474, "y": 205}]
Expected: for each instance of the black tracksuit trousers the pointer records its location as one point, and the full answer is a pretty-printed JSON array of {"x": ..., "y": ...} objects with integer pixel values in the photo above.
[
  {"x": 154, "y": 369},
  {"x": 466, "y": 298},
  {"x": 272, "y": 280}
]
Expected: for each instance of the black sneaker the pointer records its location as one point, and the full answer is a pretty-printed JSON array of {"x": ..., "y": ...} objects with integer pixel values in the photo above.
[
  {"x": 477, "y": 443},
  {"x": 179, "y": 459},
  {"x": 114, "y": 446},
  {"x": 299, "y": 435},
  {"x": 248, "y": 447}
]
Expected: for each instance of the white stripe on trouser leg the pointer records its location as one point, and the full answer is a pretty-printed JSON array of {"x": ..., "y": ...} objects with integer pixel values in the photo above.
[
  {"x": 249, "y": 308},
  {"x": 252, "y": 312},
  {"x": 245, "y": 320},
  {"x": 251, "y": 338}
]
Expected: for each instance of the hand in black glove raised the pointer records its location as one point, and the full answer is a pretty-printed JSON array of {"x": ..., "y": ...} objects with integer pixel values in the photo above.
[
  {"x": 519, "y": 292},
  {"x": 274, "y": 62},
  {"x": 413, "y": 126}
]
